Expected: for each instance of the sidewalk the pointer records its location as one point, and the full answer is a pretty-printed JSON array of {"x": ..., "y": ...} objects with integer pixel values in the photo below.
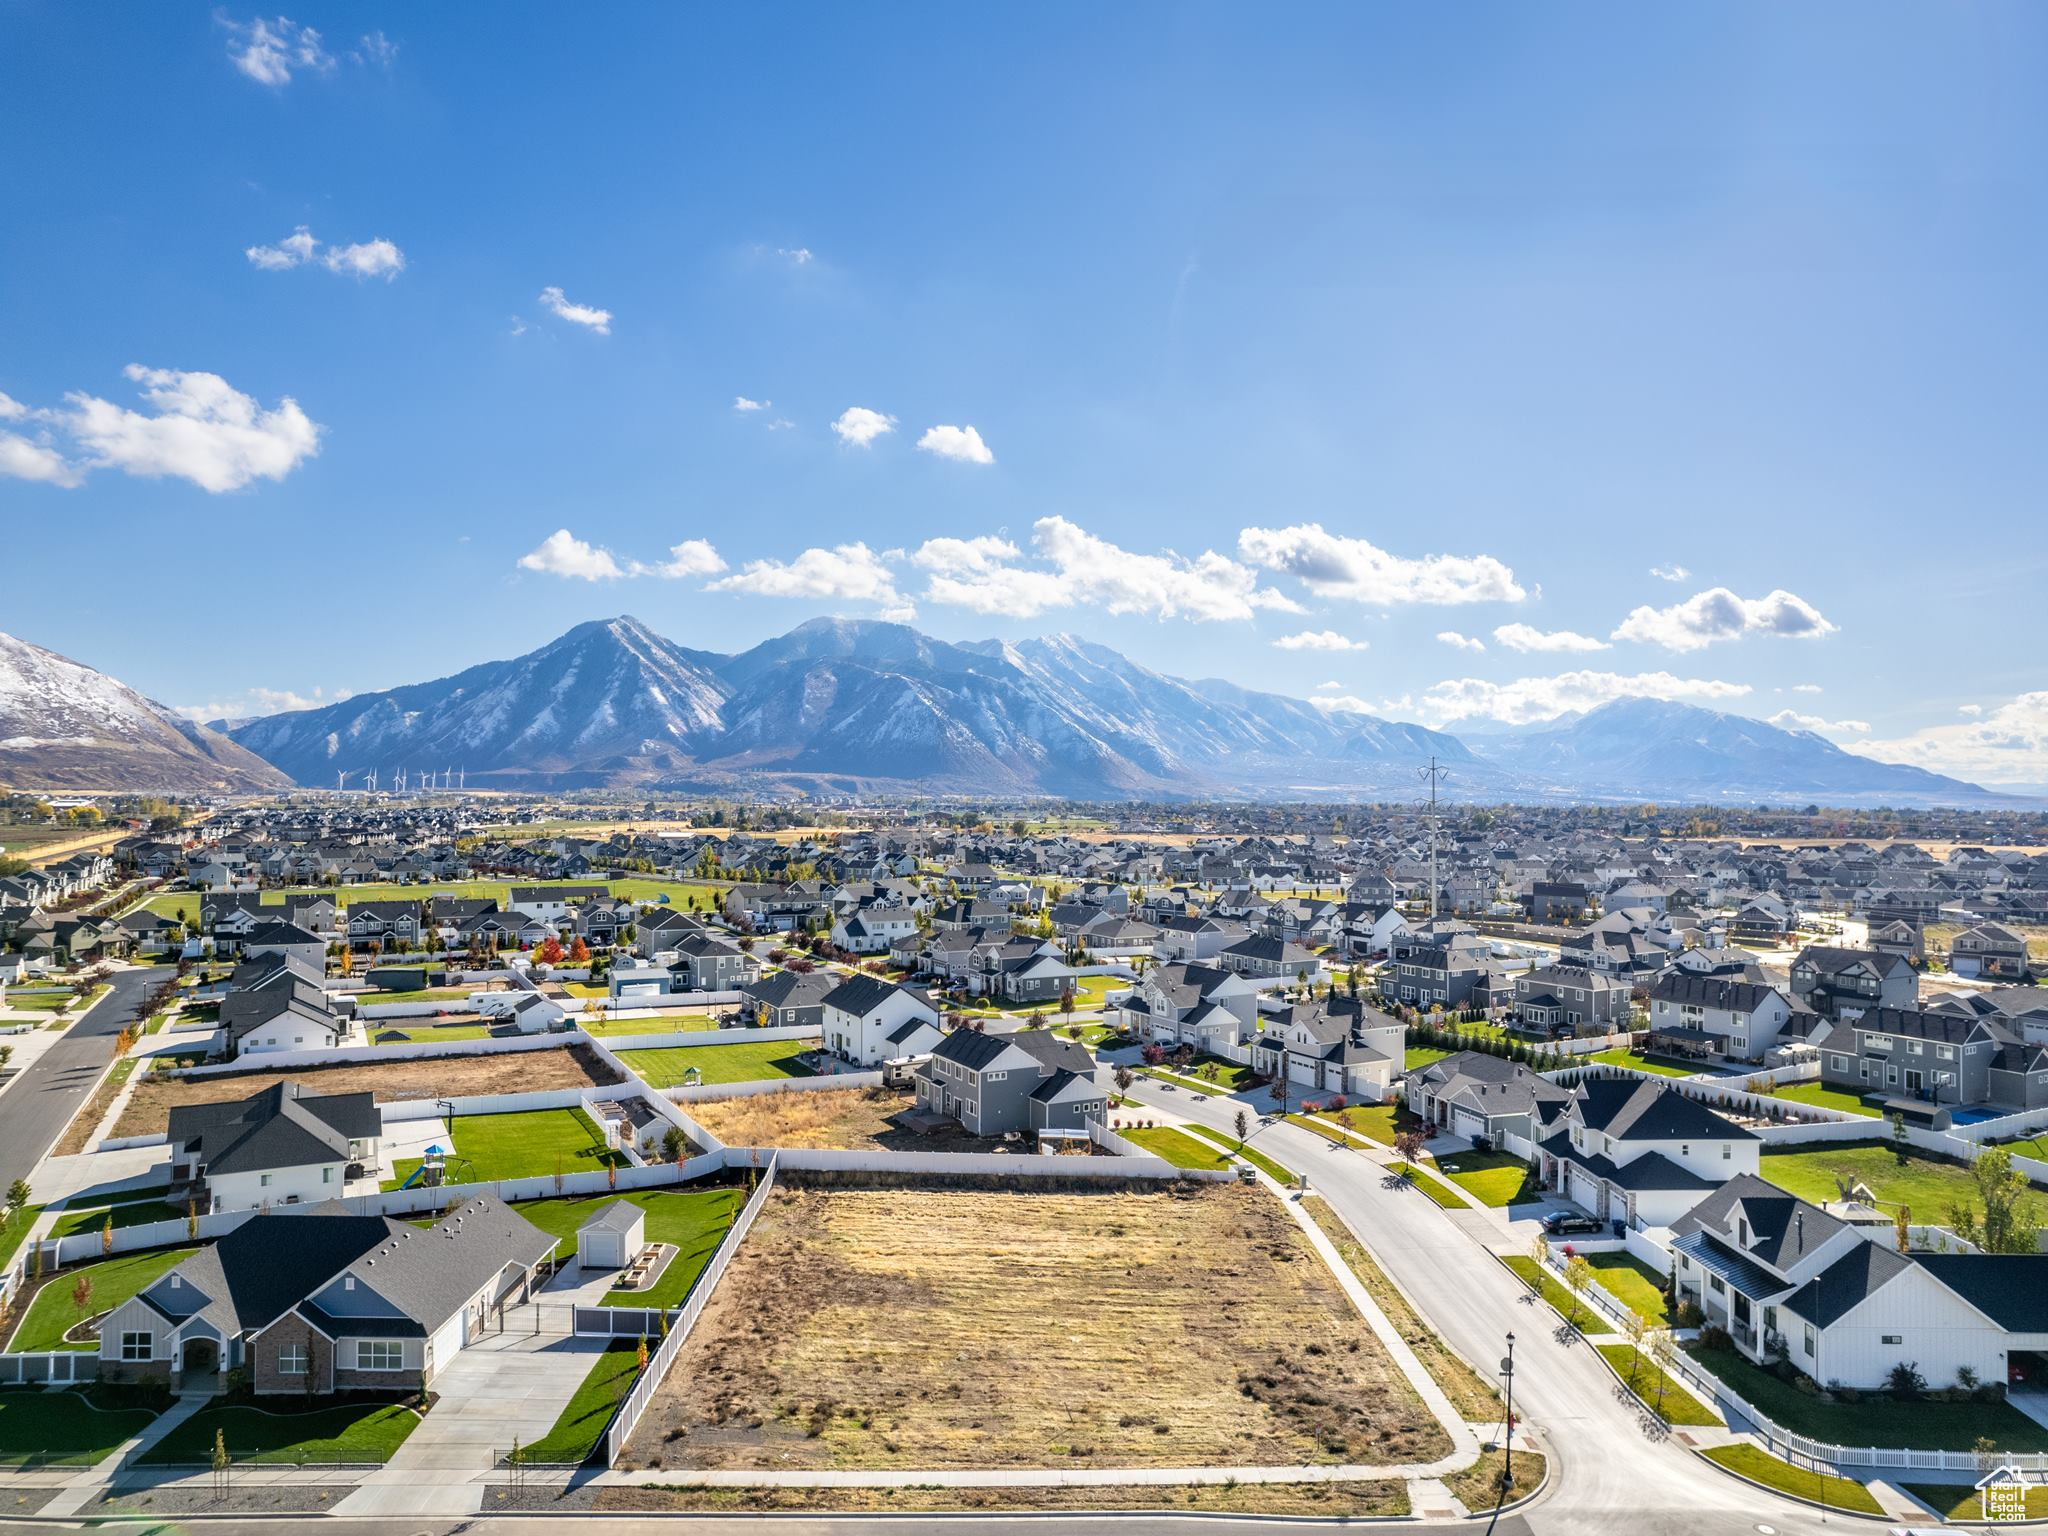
[{"x": 89, "y": 1487}]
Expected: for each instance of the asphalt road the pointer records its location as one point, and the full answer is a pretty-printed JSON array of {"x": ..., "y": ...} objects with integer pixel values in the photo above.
[{"x": 41, "y": 1101}]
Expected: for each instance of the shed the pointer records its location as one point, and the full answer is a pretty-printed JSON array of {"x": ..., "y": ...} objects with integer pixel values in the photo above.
[{"x": 611, "y": 1238}]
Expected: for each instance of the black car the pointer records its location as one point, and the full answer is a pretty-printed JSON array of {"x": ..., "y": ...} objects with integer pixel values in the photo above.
[{"x": 1572, "y": 1224}]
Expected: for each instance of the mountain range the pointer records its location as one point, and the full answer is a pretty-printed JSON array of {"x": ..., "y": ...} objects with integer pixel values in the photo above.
[
  {"x": 847, "y": 706},
  {"x": 65, "y": 726}
]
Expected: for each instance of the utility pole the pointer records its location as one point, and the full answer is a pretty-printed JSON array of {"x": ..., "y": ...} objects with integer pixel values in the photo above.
[
  {"x": 1507, "y": 1373},
  {"x": 1432, "y": 775}
]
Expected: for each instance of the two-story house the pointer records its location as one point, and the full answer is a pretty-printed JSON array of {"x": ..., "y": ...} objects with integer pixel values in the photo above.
[
  {"x": 1268, "y": 958},
  {"x": 869, "y": 1021},
  {"x": 1203, "y": 1007},
  {"x": 1485, "y": 1098},
  {"x": 1635, "y": 1151},
  {"x": 1021, "y": 1083},
  {"x": 1716, "y": 1016},
  {"x": 1569, "y": 1001},
  {"x": 1934, "y": 1056},
  {"x": 706, "y": 963},
  {"x": 1840, "y": 983},
  {"x": 1989, "y": 950}
]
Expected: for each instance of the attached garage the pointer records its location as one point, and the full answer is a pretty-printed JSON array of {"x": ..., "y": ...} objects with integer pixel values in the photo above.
[{"x": 611, "y": 1238}]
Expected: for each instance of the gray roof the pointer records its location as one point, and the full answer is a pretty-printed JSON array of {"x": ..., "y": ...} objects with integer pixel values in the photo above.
[
  {"x": 1632, "y": 1109},
  {"x": 619, "y": 1216},
  {"x": 281, "y": 1127},
  {"x": 2009, "y": 1288},
  {"x": 1846, "y": 1284}
]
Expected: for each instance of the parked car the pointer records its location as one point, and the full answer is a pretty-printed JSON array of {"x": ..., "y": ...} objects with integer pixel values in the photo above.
[{"x": 1572, "y": 1224}]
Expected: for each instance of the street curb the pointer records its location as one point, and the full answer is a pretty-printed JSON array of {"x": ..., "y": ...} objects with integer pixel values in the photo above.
[{"x": 1831, "y": 1509}]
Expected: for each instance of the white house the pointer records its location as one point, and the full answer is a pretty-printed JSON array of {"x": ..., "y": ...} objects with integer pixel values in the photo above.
[
  {"x": 1637, "y": 1151},
  {"x": 871, "y": 1021},
  {"x": 282, "y": 1146}
]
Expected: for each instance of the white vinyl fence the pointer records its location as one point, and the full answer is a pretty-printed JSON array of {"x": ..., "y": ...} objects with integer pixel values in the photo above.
[{"x": 620, "y": 1430}]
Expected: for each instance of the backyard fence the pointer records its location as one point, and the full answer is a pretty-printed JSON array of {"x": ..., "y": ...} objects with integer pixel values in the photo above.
[
  {"x": 635, "y": 1402},
  {"x": 49, "y": 1368}
]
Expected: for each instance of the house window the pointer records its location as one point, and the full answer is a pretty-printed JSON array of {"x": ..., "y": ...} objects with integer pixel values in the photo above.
[
  {"x": 264, "y": 1180},
  {"x": 379, "y": 1355},
  {"x": 1894, "y": 1338},
  {"x": 1809, "y": 1338},
  {"x": 138, "y": 1346},
  {"x": 1716, "y": 1284},
  {"x": 1727, "y": 1151},
  {"x": 291, "y": 1360}
]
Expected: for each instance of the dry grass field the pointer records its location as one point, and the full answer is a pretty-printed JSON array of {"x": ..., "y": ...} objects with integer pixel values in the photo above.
[
  {"x": 1322, "y": 1501},
  {"x": 835, "y": 1119},
  {"x": 924, "y": 1329},
  {"x": 148, "y": 1111}
]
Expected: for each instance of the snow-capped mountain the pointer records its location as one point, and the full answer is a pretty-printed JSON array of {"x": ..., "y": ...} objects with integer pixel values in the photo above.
[
  {"x": 64, "y": 726},
  {"x": 862, "y": 706},
  {"x": 610, "y": 701},
  {"x": 1668, "y": 751}
]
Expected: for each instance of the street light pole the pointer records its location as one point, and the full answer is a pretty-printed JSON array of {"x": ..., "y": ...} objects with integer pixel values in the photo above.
[{"x": 1507, "y": 1371}]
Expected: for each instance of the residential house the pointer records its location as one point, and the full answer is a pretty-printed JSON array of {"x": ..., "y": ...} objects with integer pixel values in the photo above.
[
  {"x": 280, "y": 1146},
  {"x": 788, "y": 999},
  {"x": 1989, "y": 950},
  {"x": 1569, "y": 1001},
  {"x": 1934, "y": 1056},
  {"x": 1641, "y": 1152},
  {"x": 1487, "y": 1098},
  {"x": 1022, "y": 1083},
  {"x": 1714, "y": 1016},
  {"x": 324, "y": 1301},
  {"x": 704, "y": 963},
  {"x": 1267, "y": 958},
  {"x": 1203, "y": 1007},
  {"x": 1335, "y": 1045},
  {"x": 869, "y": 1021},
  {"x": 1840, "y": 983}
]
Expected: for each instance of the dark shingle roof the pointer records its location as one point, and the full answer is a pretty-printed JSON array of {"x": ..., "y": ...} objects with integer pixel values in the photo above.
[
  {"x": 280, "y": 1127},
  {"x": 2009, "y": 1288}
]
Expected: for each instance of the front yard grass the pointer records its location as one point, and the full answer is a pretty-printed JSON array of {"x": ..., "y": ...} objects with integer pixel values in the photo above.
[
  {"x": 800, "y": 1360},
  {"x": 1375, "y": 1122},
  {"x": 1928, "y": 1185},
  {"x": 530, "y": 1144},
  {"x": 1431, "y": 1186},
  {"x": 746, "y": 1061},
  {"x": 1632, "y": 1283},
  {"x": 369, "y": 1431},
  {"x": 1177, "y": 1147},
  {"x": 575, "y": 1432},
  {"x": 1962, "y": 1504},
  {"x": 114, "y": 1280},
  {"x": 66, "y": 1427},
  {"x": 1876, "y": 1419},
  {"x": 1580, "y": 1314},
  {"x": 1497, "y": 1179},
  {"x": 1658, "y": 1392},
  {"x": 1250, "y": 1154},
  {"x": 1760, "y": 1466},
  {"x": 135, "y": 1213},
  {"x": 695, "y": 1220}
]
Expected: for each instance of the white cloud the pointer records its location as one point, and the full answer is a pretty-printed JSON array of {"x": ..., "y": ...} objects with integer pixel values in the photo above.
[
  {"x": 376, "y": 49},
  {"x": 1972, "y": 710},
  {"x": 262, "y": 701},
  {"x": 780, "y": 424},
  {"x": 1806, "y": 687},
  {"x": 1669, "y": 572},
  {"x": 1460, "y": 642},
  {"x": 1330, "y": 687},
  {"x": 1793, "y": 720},
  {"x": 961, "y": 443},
  {"x": 370, "y": 258},
  {"x": 1544, "y": 698},
  {"x": 2004, "y": 745},
  {"x": 860, "y": 426},
  {"x": 561, "y": 553},
  {"x": 978, "y": 574},
  {"x": 23, "y": 458},
  {"x": 692, "y": 557},
  {"x": 1343, "y": 704},
  {"x": 796, "y": 256},
  {"x": 269, "y": 51},
  {"x": 742, "y": 403},
  {"x": 1319, "y": 640},
  {"x": 12, "y": 409},
  {"x": 1331, "y": 565},
  {"x": 204, "y": 430},
  {"x": 1526, "y": 637},
  {"x": 1718, "y": 614},
  {"x": 848, "y": 571},
  {"x": 598, "y": 320}
]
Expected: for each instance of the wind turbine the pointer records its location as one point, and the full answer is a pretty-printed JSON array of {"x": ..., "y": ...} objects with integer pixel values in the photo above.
[{"x": 340, "y": 779}]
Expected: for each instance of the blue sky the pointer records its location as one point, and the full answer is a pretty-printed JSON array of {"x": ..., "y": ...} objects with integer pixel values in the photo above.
[{"x": 1167, "y": 326}]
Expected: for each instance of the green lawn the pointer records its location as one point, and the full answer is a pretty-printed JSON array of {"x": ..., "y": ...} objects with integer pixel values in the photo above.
[
  {"x": 1552, "y": 1290},
  {"x": 1432, "y": 1186},
  {"x": 1375, "y": 1122},
  {"x": 528, "y": 1145},
  {"x": 1824, "y": 1098},
  {"x": 1876, "y": 1419},
  {"x": 1420, "y": 1056},
  {"x": 1657, "y": 1064},
  {"x": 134, "y": 1214},
  {"x": 426, "y": 1031},
  {"x": 1211, "y": 1073},
  {"x": 1632, "y": 1283},
  {"x": 646, "y": 890},
  {"x": 695, "y": 1220},
  {"x": 350, "y": 1431},
  {"x": 667, "y": 1024},
  {"x": 13, "y": 1229},
  {"x": 1250, "y": 1154},
  {"x": 1927, "y": 1185},
  {"x": 1640, "y": 1373},
  {"x": 113, "y": 1282},
  {"x": 1962, "y": 1503},
  {"x": 1177, "y": 1147},
  {"x": 429, "y": 995},
  {"x": 1492, "y": 1178},
  {"x": 741, "y": 1062},
  {"x": 40, "y": 1002},
  {"x": 1759, "y": 1466},
  {"x": 575, "y": 1433},
  {"x": 65, "y": 1427}
]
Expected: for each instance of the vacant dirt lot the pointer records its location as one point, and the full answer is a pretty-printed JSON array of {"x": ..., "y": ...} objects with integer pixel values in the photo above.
[
  {"x": 837, "y": 1119},
  {"x": 929, "y": 1329},
  {"x": 438, "y": 1077}
]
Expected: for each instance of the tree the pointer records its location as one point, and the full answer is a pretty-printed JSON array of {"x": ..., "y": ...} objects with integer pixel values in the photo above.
[
  {"x": 191, "y": 1220},
  {"x": 107, "y": 1235},
  {"x": 1635, "y": 1330},
  {"x": 2009, "y": 1222},
  {"x": 1901, "y": 1151},
  {"x": 579, "y": 952},
  {"x": 1067, "y": 999},
  {"x": 672, "y": 1144},
  {"x": 18, "y": 1197},
  {"x": 1123, "y": 1077},
  {"x": 1408, "y": 1145},
  {"x": 640, "y": 1355},
  {"x": 1662, "y": 1355},
  {"x": 81, "y": 1297},
  {"x": 1243, "y": 1126},
  {"x": 1578, "y": 1276}
]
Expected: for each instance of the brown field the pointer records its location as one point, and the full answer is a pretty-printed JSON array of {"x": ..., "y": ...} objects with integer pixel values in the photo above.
[
  {"x": 440, "y": 1077},
  {"x": 839, "y": 1119},
  {"x": 924, "y": 1329},
  {"x": 1317, "y": 1500}
]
